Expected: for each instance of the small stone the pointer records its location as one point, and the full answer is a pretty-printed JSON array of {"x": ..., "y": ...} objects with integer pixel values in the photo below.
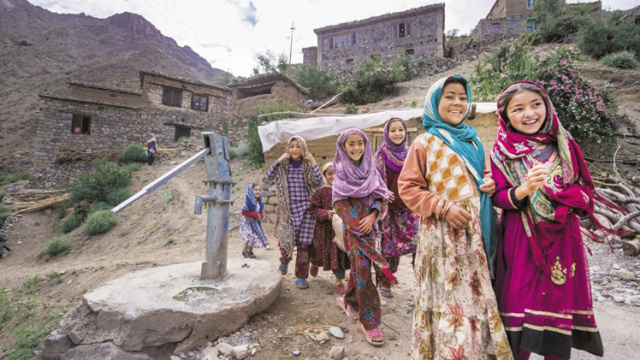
[
  {"x": 296, "y": 352},
  {"x": 182, "y": 356},
  {"x": 172, "y": 357},
  {"x": 337, "y": 352},
  {"x": 336, "y": 332},
  {"x": 128, "y": 317},
  {"x": 635, "y": 303},
  {"x": 55, "y": 346},
  {"x": 616, "y": 267},
  {"x": 240, "y": 352},
  {"x": 322, "y": 337},
  {"x": 224, "y": 349},
  {"x": 618, "y": 298},
  {"x": 209, "y": 353},
  {"x": 625, "y": 274}
]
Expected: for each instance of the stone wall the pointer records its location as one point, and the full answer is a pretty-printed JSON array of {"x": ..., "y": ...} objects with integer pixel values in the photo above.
[
  {"x": 376, "y": 37},
  {"x": 310, "y": 56},
  {"x": 282, "y": 93},
  {"x": 496, "y": 29},
  {"x": 107, "y": 95},
  {"x": 118, "y": 126}
]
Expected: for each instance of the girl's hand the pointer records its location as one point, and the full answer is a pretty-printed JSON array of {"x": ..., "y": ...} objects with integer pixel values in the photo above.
[
  {"x": 392, "y": 197},
  {"x": 457, "y": 217},
  {"x": 284, "y": 157},
  {"x": 330, "y": 214},
  {"x": 309, "y": 157},
  {"x": 535, "y": 180},
  {"x": 489, "y": 186},
  {"x": 367, "y": 223}
]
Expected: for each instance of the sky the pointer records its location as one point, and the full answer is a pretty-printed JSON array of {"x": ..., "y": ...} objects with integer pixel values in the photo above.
[{"x": 229, "y": 33}]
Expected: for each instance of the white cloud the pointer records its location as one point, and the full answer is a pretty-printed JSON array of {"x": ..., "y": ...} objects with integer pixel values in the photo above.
[{"x": 228, "y": 33}]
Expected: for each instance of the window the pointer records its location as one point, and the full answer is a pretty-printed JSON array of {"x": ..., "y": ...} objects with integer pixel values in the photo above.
[
  {"x": 401, "y": 30},
  {"x": 529, "y": 4},
  {"x": 495, "y": 26},
  {"x": 81, "y": 124},
  {"x": 409, "y": 52},
  {"x": 353, "y": 39},
  {"x": 171, "y": 96},
  {"x": 349, "y": 61},
  {"x": 531, "y": 27},
  {"x": 200, "y": 102},
  {"x": 182, "y": 131}
]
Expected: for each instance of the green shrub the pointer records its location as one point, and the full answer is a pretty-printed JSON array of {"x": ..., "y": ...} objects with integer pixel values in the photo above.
[
  {"x": 11, "y": 178},
  {"x": 99, "y": 185},
  {"x": 373, "y": 80},
  {"x": 350, "y": 109},
  {"x": 5, "y": 212},
  {"x": 133, "y": 153},
  {"x": 71, "y": 222},
  {"x": 2, "y": 195},
  {"x": 180, "y": 140},
  {"x": 57, "y": 246},
  {"x": 117, "y": 195},
  {"x": 132, "y": 167},
  {"x": 55, "y": 277},
  {"x": 241, "y": 151},
  {"x": 31, "y": 285},
  {"x": 621, "y": 60},
  {"x": 554, "y": 23},
  {"x": 99, "y": 206},
  {"x": 100, "y": 222},
  {"x": 321, "y": 84},
  {"x": 617, "y": 33},
  {"x": 255, "y": 154}
]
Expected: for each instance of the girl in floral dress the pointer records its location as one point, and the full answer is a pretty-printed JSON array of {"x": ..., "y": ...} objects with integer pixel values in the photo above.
[
  {"x": 456, "y": 314},
  {"x": 324, "y": 252},
  {"x": 297, "y": 176},
  {"x": 543, "y": 186},
  {"x": 251, "y": 230},
  {"x": 399, "y": 228},
  {"x": 360, "y": 199}
]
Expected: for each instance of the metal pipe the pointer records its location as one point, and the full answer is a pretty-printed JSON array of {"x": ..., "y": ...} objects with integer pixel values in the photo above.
[{"x": 161, "y": 180}]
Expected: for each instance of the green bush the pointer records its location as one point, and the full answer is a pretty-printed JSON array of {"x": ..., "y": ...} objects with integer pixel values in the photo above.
[
  {"x": 373, "y": 80},
  {"x": 99, "y": 185},
  {"x": 71, "y": 222},
  {"x": 99, "y": 206},
  {"x": 57, "y": 246},
  {"x": 554, "y": 23},
  {"x": 133, "y": 153},
  {"x": 240, "y": 151},
  {"x": 11, "y": 178},
  {"x": 2, "y": 195},
  {"x": 100, "y": 222},
  {"x": 117, "y": 195},
  {"x": 255, "y": 145},
  {"x": 180, "y": 140},
  {"x": 621, "y": 60},
  {"x": 321, "y": 84},
  {"x": 350, "y": 109},
  {"x": 5, "y": 212},
  {"x": 617, "y": 33},
  {"x": 132, "y": 167}
]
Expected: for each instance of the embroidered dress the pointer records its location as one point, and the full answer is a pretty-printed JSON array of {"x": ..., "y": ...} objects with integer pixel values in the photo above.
[
  {"x": 250, "y": 224},
  {"x": 455, "y": 314},
  {"x": 542, "y": 277},
  {"x": 325, "y": 253}
]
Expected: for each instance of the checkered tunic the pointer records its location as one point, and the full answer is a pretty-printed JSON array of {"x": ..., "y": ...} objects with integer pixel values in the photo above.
[{"x": 299, "y": 201}]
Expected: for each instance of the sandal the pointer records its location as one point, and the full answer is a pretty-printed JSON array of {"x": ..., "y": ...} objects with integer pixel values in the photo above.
[
  {"x": 313, "y": 271},
  {"x": 283, "y": 268},
  {"x": 385, "y": 291},
  {"x": 341, "y": 288},
  {"x": 369, "y": 335},
  {"x": 302, "y": 284},
  {"x": 348, "y": 309},
  {"x": 251, "y": 255}
]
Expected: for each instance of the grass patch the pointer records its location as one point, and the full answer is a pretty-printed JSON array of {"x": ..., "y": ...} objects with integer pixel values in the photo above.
[
  {"x": 55, "y": 277},
  {"x": 71, "y": 222},
  {"x": 170, "y": 242},
  {"x": 132, "y": 154},
  {"x": 57, "y": 246},
  {"x": 100, "y": 222},
  {"x": 350, "y": 109},
  {"x": 132, "y": 167},
  {"x": 99, "y": 206},
  {"x": 5, "y": 212},
  {"x": 11, "y": 178},
  {"x": 167, "y": 196},
  {"x": 31, "y": 285},
  {"x": 621, "y": 60},
  {"x": 2, "y": 194},
  {"x": 181, "y": 139}
]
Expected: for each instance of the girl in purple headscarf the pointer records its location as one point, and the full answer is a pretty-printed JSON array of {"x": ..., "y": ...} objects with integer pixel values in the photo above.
[
  {"x": 399, "y": 228},
  {"x": 360, "y": 199}
]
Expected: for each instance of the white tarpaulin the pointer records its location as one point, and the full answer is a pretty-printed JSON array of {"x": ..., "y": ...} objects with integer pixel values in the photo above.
[{"x": 318, "y": 127}]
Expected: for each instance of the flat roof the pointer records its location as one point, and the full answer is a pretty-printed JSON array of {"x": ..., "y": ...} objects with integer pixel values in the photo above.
[{"x": 177, "y": 78}]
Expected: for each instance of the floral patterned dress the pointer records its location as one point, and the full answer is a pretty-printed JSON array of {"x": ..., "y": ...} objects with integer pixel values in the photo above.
[
  {"x": 324, "y": 252},
  {"x": 456, "y": 315}
]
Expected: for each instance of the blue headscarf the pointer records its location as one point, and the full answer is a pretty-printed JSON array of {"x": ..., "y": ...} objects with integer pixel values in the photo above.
[
  {"x": 250, "y": 200},
  {"x": 463, "y": 140}
]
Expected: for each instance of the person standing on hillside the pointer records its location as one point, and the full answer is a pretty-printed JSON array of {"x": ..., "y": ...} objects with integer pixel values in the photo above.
[
  {"x": 297, "y": 176},
  {"x": 152, "y": 148},
  {"x": 253, "y": 234}
]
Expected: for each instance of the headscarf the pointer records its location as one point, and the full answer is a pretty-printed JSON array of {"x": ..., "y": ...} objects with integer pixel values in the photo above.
[
  {"x": 250, "y": 201},
  {"x": 392, "y": 154},
  {"x": 572, "y": 188},
  {"x": 353, "y": 181},
  {"x": 463, "y": 140},
  {"x": 323, "y": 169},
  {"x": 153, "y": 138}
]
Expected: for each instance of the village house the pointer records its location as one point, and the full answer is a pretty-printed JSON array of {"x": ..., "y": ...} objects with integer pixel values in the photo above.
[
  {"x": 249, "y": 94},
  {"x": 417, "y": 33},
  {"x": 95, "y": 118}
]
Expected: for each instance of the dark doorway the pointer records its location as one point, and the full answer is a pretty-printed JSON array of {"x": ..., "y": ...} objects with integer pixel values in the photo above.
[{"x": 182, "y": 131}]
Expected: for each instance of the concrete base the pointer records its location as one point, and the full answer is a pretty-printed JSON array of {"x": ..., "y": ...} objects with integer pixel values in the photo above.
[{"x": 171, "y": 305}]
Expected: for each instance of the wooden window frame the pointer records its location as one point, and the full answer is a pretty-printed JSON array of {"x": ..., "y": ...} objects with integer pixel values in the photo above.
[
  {"x": 409, "y": 51},
  {"x": 171, "y": 96},
  {"x": 80, "y": 124},
  {"x": 194, "y": 104},
  {"x": 350, "y": 61}
]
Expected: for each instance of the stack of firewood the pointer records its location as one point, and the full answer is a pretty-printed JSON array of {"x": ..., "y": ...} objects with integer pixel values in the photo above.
[{"x": 29, "y": 200}]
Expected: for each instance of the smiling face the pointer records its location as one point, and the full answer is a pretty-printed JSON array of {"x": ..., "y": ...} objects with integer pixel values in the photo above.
[
  {"x": 257, "y": 191},
  {"x": 295, "y": 150},
  {"x": 354, "y": 146},
  {"x": 527, "y": 112},
  {"x": 453, "y": 104},
  {"x": 397, "y": 132},
  {"x": 328, "y": 174}
]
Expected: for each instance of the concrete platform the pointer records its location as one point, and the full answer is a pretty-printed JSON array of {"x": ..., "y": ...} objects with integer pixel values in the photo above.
[{"x": 171, "y": 305}]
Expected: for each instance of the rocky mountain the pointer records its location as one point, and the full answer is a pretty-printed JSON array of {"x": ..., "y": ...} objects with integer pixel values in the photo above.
[{"x": 41, "y": 51}]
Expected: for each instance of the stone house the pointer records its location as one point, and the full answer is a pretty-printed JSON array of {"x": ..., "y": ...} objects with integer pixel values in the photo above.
[
  {"x": 417, "y": 33},
  {"x": 93, "y": 118},
  {"x": 249, "y": 94}
]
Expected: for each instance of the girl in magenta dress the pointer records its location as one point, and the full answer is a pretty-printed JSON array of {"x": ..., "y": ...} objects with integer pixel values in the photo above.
[{"x": 543, "y": 187}]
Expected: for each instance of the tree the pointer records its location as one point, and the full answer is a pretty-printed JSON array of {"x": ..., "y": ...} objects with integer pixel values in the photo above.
[{"x": 269, "y": 63}]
